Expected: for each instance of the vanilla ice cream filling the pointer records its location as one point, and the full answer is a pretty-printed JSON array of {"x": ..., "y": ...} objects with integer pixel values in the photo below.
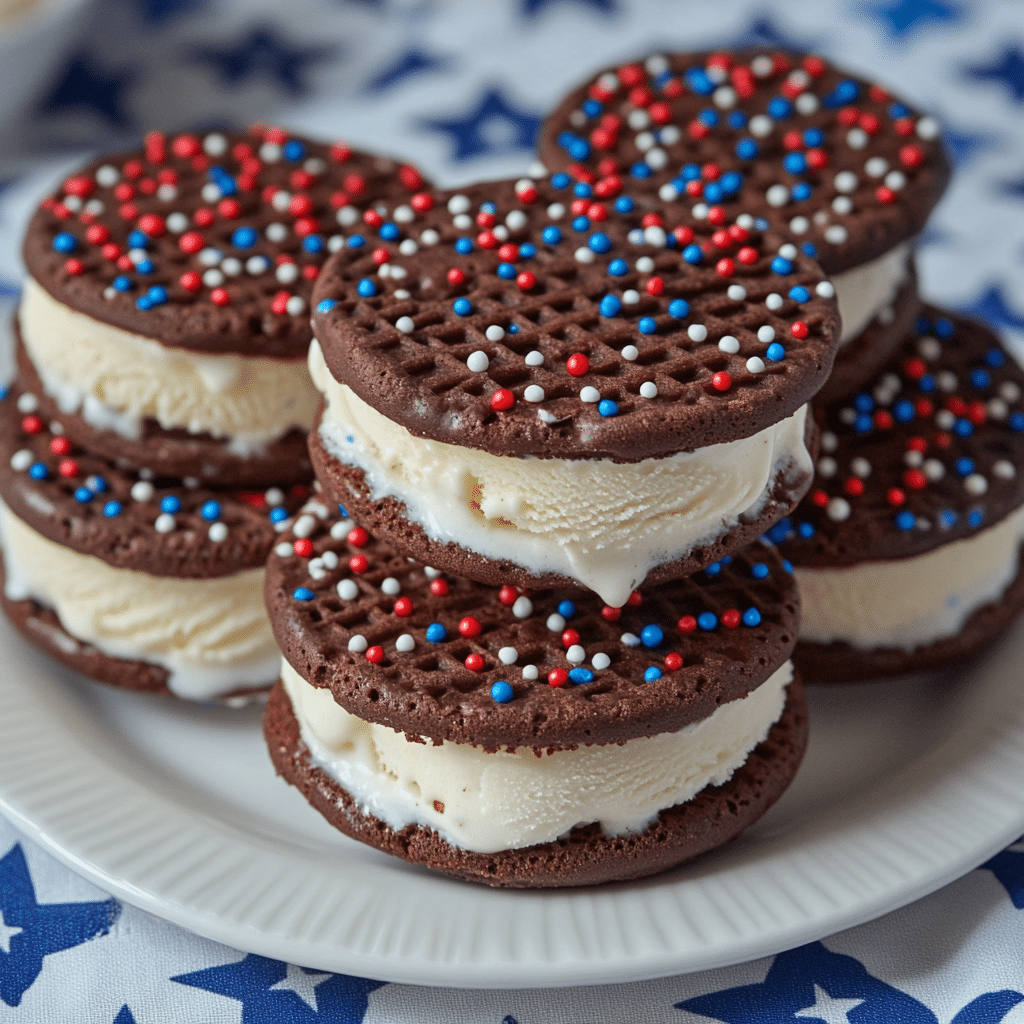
[
  {"x": 212, "y": 635},
  {"x": 865, "y": 291},
  {"x": 115, "y": 379},
  {"x": 909, "y": 602},
  {"x": 603, "y": 523},
  {"x": 505, "y": 800}
]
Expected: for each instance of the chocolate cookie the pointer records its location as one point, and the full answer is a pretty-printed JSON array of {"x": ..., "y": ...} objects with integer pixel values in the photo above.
[
  {"x": 845, "y": 168},
  {"x": 906, "y": 547},
  {"x": 150, "y": 583}
]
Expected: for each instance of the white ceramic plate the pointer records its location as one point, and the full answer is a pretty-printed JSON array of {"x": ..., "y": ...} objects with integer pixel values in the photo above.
[{"x": 176, "y": 809}]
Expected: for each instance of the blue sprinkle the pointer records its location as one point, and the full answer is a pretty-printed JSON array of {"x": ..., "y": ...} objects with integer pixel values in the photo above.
[
  {"x": 707, "y": 621},
  {"x": 801, "y": 192},
  {"x": 776, "y": 353},
  {"x": 995, "y": 358},
  {"x": 714, "y": 193},
  {"x": 112, "y": 509},
  {"x": 38, "y": 471},
  {"x": 759, "y": 571},
  {"x": 947, "y": 519},
  {"x": 293, "y": 150},
  {"x": 138, "y": 240},
  {"x": 944, "y": 328},
  {"x": 303, "y": 594},
  {"x": 600, "y": 242},
  {"x": 592, "y": 107},
  {"x": 607, "y": 408},
  {"x": 210, "y": 511},
  {"x": 652, "y": 635},
  {"x": 143, "y": 303},
  {"x": 579, "y": 150},
  {"x": 963, "y": 428},
  {"x": 747, "y": 149},
  {"x": 727, "y": 560},
  {"x": 624, "y": 204},
  {"x": 713, "y": 569},
  {"x": 366, "y": 288},
  {"x": 501, "y": 691},
  {"x": 809, "y": 249},
  {"x": 697, "y": 79},
  {"x": 436, "y": 633},
  {"x": 313, "y": 243},
  {"x": 926, "y": 384},
  {"x": 903, "y": 411},
  {"x": 752, "y": 617},
  {"x": 737, "y": 119},
  {"x": 343, "y": 511},
  {"x": 83, "y": 495},
  {"x": 795, "y": 163},
  {"x": 923, "y": 325},
  {"x": 170, "y": 504},
  {"x": 905, "y": 520},
  {"x": 814, "y": 137},
  {"x": 679, "y": 308},
  {"x": 799, "y": 294},
  {"x": 843, "y": 94},
  {"x": 640, "y": 170},
  {"x": 560, "y": 180},
  {"x": 507, "y": 271},
  {"x": 278, "y": 515},
  {"x": 144, "y": 267},
  {"x": 610, "y": 305},
  {"x": 244, "y": 238},
  {"x": 975, "y": 517},
  {"x": 693, "y": 254},
  {"x": 787, "y": 565},
  {"x": 731, "y": 182},
  {"x": 157, "y": 295},
  {"x": 581, "y": 675},
  {"x": 652, "y": 674},
  {"x": 708, "y": 117},
  {"x": 805, "y": 530},
  {"x": 356, "y": 241},
  {"x": 389, "y": 232},
  {"x": 513, "y": 328},
  {"x": 897, "y": 110},
  {"x": 489, "y": 207},
  {"x": 326, "y": 305},
  {"x": 65, "y": 242},
  {"x": 527, "y": 250},
  {"x": 580, "y": 223},
  {"x": 566, "y": 609},
  {"x": 4, "y": 389},
  {"x": 618, "y": 268},
  {"x": 981, "y": 378},
  {"x": 782, "y": 266},
  {"x": 97, "y": 484},
  {"x": 1016, "y": 421},
  {"x": 462, "y": 306},
  {"x": 464, "y": 245},
  {"x": 647, "y": 325},
  {"x": 551, "y": 235},
  {"x": 691, "y": 172},
  {"x": 122, "y": 283},
  {"x": 779, "y": 108},
  {"x": 863, "y": 424},
  {"x": 582, "y": 190},
  {"x": 781, "y": 531},
  {"x": 864, "y": 402},
  {"x": 965, "y": 467}
]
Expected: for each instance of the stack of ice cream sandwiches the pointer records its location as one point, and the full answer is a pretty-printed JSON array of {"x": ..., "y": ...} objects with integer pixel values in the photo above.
[{"x": 154, "y": 440}]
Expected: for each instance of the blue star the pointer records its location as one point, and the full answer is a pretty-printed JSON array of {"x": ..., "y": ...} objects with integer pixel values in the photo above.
[
  {"x": 1014, "y": 189},
  {"x": 156, "y": 12},
  {"x": 263, "y": 52},
  {"x": 272, "y": 990},
  {"x": 1009, "y": 71},
  {"x": 963, "y": 146},
  {"x": 989, "y": 1008},
  {"x": 932, "y": 235},
  {"x": 902, "y": 18},
  {"x": 83, "y": 86},
  {"x": 609, "y": 8},
  {"x": 414, "y": 62},
  {"x": 124, "y": 1016},
  {"x": 763, "y": 31},
  {"x": 30, "y": 931},
  {"x": 992, "y": 307},
  {"x": 1008, "y": 867},
  {"x": 494, "y": 127}
]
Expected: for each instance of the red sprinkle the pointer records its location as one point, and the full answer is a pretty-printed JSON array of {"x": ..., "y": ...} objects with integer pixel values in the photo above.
[
  {"x": 80, "y": 186},
  {"x": 375, "y": 654},
  {"x": 152, "y": 224},
  {"x": 915, "y": 479},
  {"x": 610, "y": 614},
  {"x": 817, "y": 159},
  {"x": 747, "y": 255},
  {"x": 74, "y": 267},
  {"x": 673, "y": 661},
  {"x": 358, "y": 537},
  {"x": 60, "y": 446},
  {"x": 68, "y": 467},
  {"x": 456, "y": 276},
  {"x": 509, "y": 252},
  {"x": 507, "y": 595},
  {"x": 854, "y": 486},
  {"x": 403, "y": 607},
  {"x": 203, "y": 217},
  {"x": 474, "y": 662},
  {"x": 97, "y": 234},
  {"x": 912, "y": 156},
  {"x": 570, "y": 637},
  {"x": 820, "y": 498},
  {"x": 895, "y": 496},
  {"x": 303, "y": 547},
  {"x": 655, "y": 286},
  {"x": 220, "y": 297},
  {"x": 558, "y": 677},
  {"x": 410, "y": 177},
  {"x": 502, "y": 399},
  {"x": 191, "y": 242},
  {"x": 32, "y": 424},
  {"x": 381, "y": 255},
  {"x": 731, "y": 618},
  {"x": 359, "y": 563},
  {"x": 526, "y": 281},
  {"x": 470, "y": 626},
  {"x": 721, "y": 381},
  {"x": 687, "y": 624},
  {"x": 885, "y": 195},
  {"x": 799, "y": 329},
  {"x": 577, "y": 364},
  {"x": 725, "y": 267},
  {"x": 439, "y": 587},
  {"x": 279, "y": 303},
  {"x": 635, "y": 598}
]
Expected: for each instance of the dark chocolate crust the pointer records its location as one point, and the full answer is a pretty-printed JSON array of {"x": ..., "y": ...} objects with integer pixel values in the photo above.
[
  {"x": 585, "y": 856},
  {"x": 878, "y": 220},
  {"x": 863, "y": 356},
  {"x": 421, "y": 380},
  {"x": 840, "y": 662},
  {"x": 127, "y": 538},
  {"x": 179, "y": 453},
  {"x": 430, "y": 692},
  {"x": 970, "y": 438},
  {"x": 386, "y": 518},
  {"x": 308, "y": 197}
]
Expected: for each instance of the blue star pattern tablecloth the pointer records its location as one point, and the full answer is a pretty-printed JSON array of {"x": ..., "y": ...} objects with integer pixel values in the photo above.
[{"x": 460, "y": 87}]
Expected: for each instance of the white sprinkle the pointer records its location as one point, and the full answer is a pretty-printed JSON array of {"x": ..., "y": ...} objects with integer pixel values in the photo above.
[
  {"x": 725, "y": 97},
  {"x": 430, "y": 237},
  {"x": 656, "y": 64},
  {"x": 107, "y": 175},
  {"x": 584, "y": 254},
  {"x": 630, "y": 640},
  {"x": 845, "y": 181},
  {"x": 508, "y": 655},
  {"x": 842, "y": 205},
  {"x": 1009, "y": 390},
  {"x": 838, "y": 509},
  {"x": 848, "y": 415},
  {"x": 284, "y": 549},
  {"x": 669, "y": 135},
  {"x": 806, "y": 103},
  {"x": 1004, "y": 470},
  {"x": 656, "y": 158},
  {"x": 95, "y": 483},
  {"x": 755, "y": 364},
  {"x": 164, "y": 523},
  {"x": 860, "y": 467},
  {"x": 762, "y": 65},
  {"x": 997, "y": 409},
  {"x": 777, "y": 195},
  {"x": 645, "y": 141},
  {"x": 825, "y": 289},
  {"x": 330, "y": 559},
  {"x": 576, "y": 655},
  {"x": 827, "y": 466},
  {"x": 655, "y": 236},
  {"x": 697, "y": 332},
  {"x": 933, "y": 469},
  {"x": 340, "y": 529},
  {"x": 600, "y": 661},
  {"x": 211, "y": 192},
  {"x": 556, "y": 211},
  {"x": 590, "y": 394},
  {"x": 829, "y": 441},
  {"x": 788, "y": 251},
  {"x": 927, "y": 128},
  {"x": 523, "y": 608},
  {"x": 895, "y": 180},
  {"x": 391, "y": 586},
  {"x": 295, "y": 306},
  {"x": 745, "y": 221},
  {"x": 462, "y": 221},
  {"x": 760, "y": 125},
  {"x": 976, "y": 484},
  {"x": 534, "y": 358},
  {"x": 630, "y": 297},
  {"x": 217, "y": 532},
  {"x": 404, "y": 213},
  {"x": 176, "y": 222},
  {"x": 836, "y": 234},
  {"x": 729, "y": 344},
  {"x": 737, "y": 292},
  {"x": 27, "y": 402},
  {"x": 630, "y": 353},
  {"x": 530, "y": 672},
  {"x": 358, "y": 644},
  {"x": 947, "y": 381},
  {"x": 516, "y": 220},
  {"x": 766, "y": 333},
  {"x": 167, "y": 193},
  {"x": 347, "y": 216},
  {"x": 533, "y": 393},
  {"x": 856, "y": 138},
  {"x": 556, "y": 623},
  {"x": 635, "y": 236},
  {"x": 821, "y": 218},
  {"x": 798, "y": 225},
  {"x": 212, "y": 278},
  {"x": 20, "y": 461},
  {"x": 142, "y": 490},
  {"x": 405, "y": 324},
  {"x": 644, "y": 264},
  {"x": 430, "y": 572},
  {"x": 405, "y": 643},
  {"x": 668, "y": 193},
  {"x": 477, "y": 361},
  {"x": 347, "y": 589},
  {"x": 774, "y": 301},
  {"x": 876, "y": 166},
  {"x": 914, "y": 459},
  {"x": 274, "y": 497},
  {"x": 408, "y": 247},
  {"x": 304, "y": 526},
  {"x": 276, "y": 232},
  {"x": 458, "y": 204},
  {"x": 494, "y": 333},
  {"x": 649, "y": 389},
  {"x": 258, "y": 264},
  {"x": 638, "y": 120},
  {"x": 944, "y": 419}
]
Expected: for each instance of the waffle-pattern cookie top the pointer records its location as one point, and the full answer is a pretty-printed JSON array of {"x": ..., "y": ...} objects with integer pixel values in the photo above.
[
  {"x": 562, "y": 320},
  {"x": 212, "y": 242},
  {"x": 844, "y": 167},
  {"x": 440, "y": 657},
  {"x": 131, "y": 520},
  {"x": 930, "y": 451}
]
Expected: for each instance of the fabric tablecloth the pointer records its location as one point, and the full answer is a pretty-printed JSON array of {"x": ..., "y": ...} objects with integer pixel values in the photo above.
[{"x": 460, "y": 87}]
